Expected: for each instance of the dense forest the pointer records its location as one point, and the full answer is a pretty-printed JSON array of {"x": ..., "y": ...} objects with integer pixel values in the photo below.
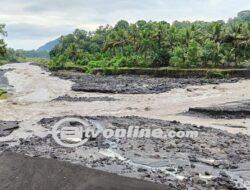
[{"x": 158, "y": 44}]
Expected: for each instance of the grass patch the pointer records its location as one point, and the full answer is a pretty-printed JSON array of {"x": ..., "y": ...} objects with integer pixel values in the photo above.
[
  {"x": 69, "y": 66},
  {"x": 3, "y": 94},
  {"x": 2, "y": 62}
]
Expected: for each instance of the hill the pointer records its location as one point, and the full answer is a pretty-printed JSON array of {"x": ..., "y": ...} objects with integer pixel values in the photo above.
[{"x": 49, "y": 46}]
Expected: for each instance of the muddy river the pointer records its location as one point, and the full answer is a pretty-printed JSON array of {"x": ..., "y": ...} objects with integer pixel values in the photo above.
[
  {"x": 33, "y": 90},
  {"x": 33, "y": 95}
]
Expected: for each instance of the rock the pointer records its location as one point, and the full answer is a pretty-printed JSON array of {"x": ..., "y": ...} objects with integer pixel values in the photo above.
[
  {"x": 142, "y": 170},
  {"x": 207, "y": 173},
  {"x": 192, "y": 166},
  {"x": 192, "y": 158},
  {"x": 147, "y": 108}
]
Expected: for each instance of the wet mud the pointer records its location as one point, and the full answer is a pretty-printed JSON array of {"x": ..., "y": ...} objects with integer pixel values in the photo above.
[
  {"x": 232, "y": 110},
  {"x": 132, "y": 84},
  {"x": 7, "y": 127},
  {"x": 215, "y": 159},
  {"x": 22, "y": 172},
  {"x": 3, "y": 79},
  {"x": 68, "y": 98}
]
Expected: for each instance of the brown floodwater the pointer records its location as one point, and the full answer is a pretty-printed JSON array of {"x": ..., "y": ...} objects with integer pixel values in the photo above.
[{"x": 33, "y": 90}]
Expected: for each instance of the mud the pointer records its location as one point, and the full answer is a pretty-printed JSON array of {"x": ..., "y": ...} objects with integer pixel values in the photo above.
[
  {"x": 232, "y": 110},
  {"x": 4, "y": 84},
  {"x": 68, "y": 98},
  {"x": 215, "y": 159},
  {"x": 22, "y": 172},
  {"x": 7, "y": 127},
  {"x": 132, "y": 84}
]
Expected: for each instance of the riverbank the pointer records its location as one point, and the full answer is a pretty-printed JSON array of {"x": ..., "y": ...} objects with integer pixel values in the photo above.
[
  {"x": 170, "y": 72},
  {"x": 132, "y": 84}
]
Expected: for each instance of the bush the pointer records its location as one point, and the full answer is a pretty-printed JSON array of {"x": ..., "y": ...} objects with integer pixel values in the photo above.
[{"x": 2, "y": 93}]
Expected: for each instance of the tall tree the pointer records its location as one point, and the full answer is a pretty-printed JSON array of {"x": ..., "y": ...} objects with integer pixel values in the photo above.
[{"x": 2, "y": 43}]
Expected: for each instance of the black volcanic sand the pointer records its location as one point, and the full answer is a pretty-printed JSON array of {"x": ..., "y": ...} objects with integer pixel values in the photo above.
[
  {"x": 223, "y": 158},
  {"x": 7, "y": 127},
  {"x": 231, "y": 110},
  {"x": 68, "y": 98},
  {"x": 3, "y": 80},
  {"x": 19, "y": 172},
  {"x": 131, "y": 84}
]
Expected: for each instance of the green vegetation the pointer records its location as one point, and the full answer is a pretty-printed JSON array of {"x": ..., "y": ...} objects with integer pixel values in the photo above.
[
  {"x": 8, "y": 55},
  {"x": 17, "y": 56},
  {"x": 157, "y": 44},
  {"x": 144, "y": 46},
  {"x": 3, "y": 94},
  {"x": 176, "y": 72},
  {"x": 2, "y": 43}
]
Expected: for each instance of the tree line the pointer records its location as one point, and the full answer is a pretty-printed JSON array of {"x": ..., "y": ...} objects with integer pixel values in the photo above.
[
  {"x": 158, "y": 44},
  {"x": 149, "y": 44},
  {"x": 8, "y": 55},
  {"x": 2, "y": 43}
]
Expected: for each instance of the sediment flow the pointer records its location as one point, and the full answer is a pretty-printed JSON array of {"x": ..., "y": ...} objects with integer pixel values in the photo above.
[{"x": 218, "y": 157}]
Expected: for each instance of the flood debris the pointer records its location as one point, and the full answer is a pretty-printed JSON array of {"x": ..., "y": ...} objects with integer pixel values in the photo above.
[
  {"x": 178, "y": 163},
  {"x": 215, "y": 159},
  {"x": 68, "y": 98},
  {"x": 3, "y": 80},
  {"x": 231, "y": 110},
  {"x": 132, "y": 84},
  {"x": 7, "y": 127}
]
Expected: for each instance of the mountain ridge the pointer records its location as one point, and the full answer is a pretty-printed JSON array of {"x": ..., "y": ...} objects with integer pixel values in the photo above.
[{"x": 49, "y": 45}]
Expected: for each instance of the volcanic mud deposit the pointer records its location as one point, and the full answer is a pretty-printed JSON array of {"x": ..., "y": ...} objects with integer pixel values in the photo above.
[
  {"x": 3, "y": 79},
  {"x": 7, "y": 127},
  {"x": 68, "y": 98},
  {"x": 131, "y": 84},
  {"x": 4, "y": 84},
  {"x": 213, "y": 160},
  {"x": 232, "y": 110},
  {"x": 26, "y": 173}
]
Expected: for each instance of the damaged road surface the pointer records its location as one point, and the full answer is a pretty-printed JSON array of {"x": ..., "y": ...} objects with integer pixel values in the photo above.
[{"x": 218, "y": 158}]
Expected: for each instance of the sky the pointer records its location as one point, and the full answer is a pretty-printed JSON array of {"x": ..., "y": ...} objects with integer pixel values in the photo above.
[{"x": 32, "y": 23}]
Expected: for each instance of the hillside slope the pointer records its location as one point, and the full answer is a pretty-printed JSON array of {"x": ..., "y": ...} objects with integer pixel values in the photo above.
[{"x": 49, "y": 46}]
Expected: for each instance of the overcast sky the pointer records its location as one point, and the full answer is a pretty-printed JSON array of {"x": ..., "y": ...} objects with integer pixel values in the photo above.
[{"x": 31, "y": 23}]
